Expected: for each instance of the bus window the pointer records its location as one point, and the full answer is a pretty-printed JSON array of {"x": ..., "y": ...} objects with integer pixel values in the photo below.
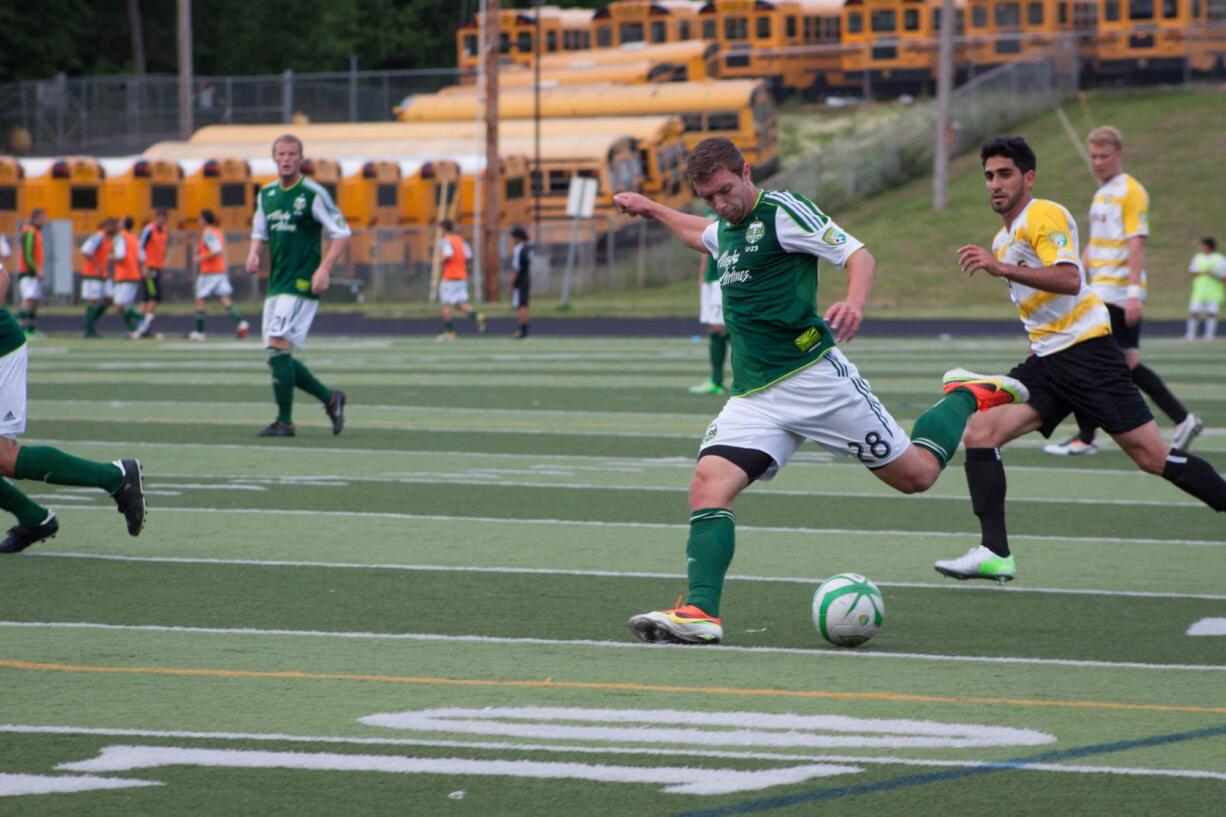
[
  {"x": 470, "y": 45},
  {"x": 164, "y": 197},
  {"x": 385, "y": 195},
  {"x": 692, "y": 121},
  {"x": 884, "y": 20},
  {"x": 233, "y": 195},
  {"x": 1170, "y": 8},
  {"x": 1034, "y": 14},
  {"x": 708, "y": 29},
  {"x": 559, "y": 181},
  {"x": 604, "y": 37},
  {"x": 1063, "y": 14},
  {"x": 514, "y": 189},
  {"x": 736, "y": 28},
  {"x": 504, "y": 40},
  {"x": 8, "y": 198},
  {"x": 683, "y": 29},
  {"x": 630, "y": 32},
  {"x": 659, "y": 32},
  {"x": 1008, "y": 14},
  {"x": 1141, "y": 9},
  {"x": 723, "y": 120},
  {"x": 1111, "y": 10},
  {"x": 855, "y": 23},
  {"x": 764, "y": 27},
  {"x": 551, "y": 41},
  {"x": 910, "y": 19},
  {"x": 979, "y": 17},
  {"x": 523, "y": 42},
  {"x": 83, "y": 198},
  {"x": 791, "y": 27}
]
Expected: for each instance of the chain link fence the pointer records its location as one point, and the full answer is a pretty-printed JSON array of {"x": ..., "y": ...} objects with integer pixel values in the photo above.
[{"x": 901, "y": 148}]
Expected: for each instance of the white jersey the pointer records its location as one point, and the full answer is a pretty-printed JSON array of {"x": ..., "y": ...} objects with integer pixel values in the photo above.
[
  {"x": 1120, "y": 211},
  {"x": 1043, "y": 235}
]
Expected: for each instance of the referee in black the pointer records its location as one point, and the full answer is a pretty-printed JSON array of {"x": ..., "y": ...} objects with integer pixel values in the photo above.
[{"x": 521, "y": 281}]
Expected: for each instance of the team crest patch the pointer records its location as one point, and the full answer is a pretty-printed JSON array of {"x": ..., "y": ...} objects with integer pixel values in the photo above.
[
  {"x": 1058, "y": 238},
  {"x": 834, "y": 236},
  {"x": 299, "y": 204},
  {"x": 711, "y": 432},
  {"x": 755, "y": 232}
]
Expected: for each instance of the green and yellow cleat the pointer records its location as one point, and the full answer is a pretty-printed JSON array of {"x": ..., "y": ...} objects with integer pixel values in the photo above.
[
  {"x": 989, "y": 390},
  {"x": 978, "y": 563}
]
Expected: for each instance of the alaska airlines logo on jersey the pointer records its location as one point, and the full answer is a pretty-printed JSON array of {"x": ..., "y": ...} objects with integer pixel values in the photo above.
[
  {"x": 279, "y": 221},
  {"x": 1058, "y": 238},
  {"x": 834, "y": 237},
  {"x": 299, "y": 204},
  {"x": 727, "y": 268},
  {"x": 755, "y": 232}
]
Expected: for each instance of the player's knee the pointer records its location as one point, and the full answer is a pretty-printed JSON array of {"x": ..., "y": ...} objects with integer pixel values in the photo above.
[{"x": 1151, "y": 460}]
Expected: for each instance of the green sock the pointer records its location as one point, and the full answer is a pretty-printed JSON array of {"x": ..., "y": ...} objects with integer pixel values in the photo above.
[
  {"x": 23, "y": 317},
  {"x": 282, "y": 365},
  {"x": 939, "y": 429},
  {"x": 33, "y": 313},
  {"x": 232, "y": 311},
  {"x": 27, "y": 511},
  {"x": 131, "y": 318},
  {"x": 708, "y": 554},
  {"x": 306, "y": 381},
  {"x": 42, "y": 463},
  {"x": 448, "y": 327},
  {"x": 718, "y": 348},
  {"x": 91, "y": 317},
  {"x": 200, "y": 322}
]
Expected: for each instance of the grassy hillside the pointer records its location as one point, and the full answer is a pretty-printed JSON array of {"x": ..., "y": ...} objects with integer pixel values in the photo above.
[{"x": 1169, "y": 139}]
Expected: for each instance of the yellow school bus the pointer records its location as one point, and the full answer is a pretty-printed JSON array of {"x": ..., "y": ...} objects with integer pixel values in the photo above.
[
  {"x": 1154, "y": 37},
  {"x": 742, "y": 110},
  {"x": 221, "y": 185},
  {"x": 137, "y": 186},
  {"x": 645, "y": 21},
  {"x": 685, "y": 61},
  {"x": 67, "y": 188},
  {"x": 562, "y": 29},
  {"x": 998, "y": 31},
  {"x": 12, "y": 195}
]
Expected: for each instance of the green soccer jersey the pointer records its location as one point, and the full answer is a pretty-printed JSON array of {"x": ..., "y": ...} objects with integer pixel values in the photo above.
[
  {"x": 711, "y": 271},
  {"x": 12, "y": 336},
  {"x": 292, "y": 220},
  {"x": 768, "y": 276}
]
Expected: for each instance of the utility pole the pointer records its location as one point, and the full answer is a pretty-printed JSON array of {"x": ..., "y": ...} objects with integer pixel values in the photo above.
[
  {"x": 490, "y": 262},
  {"x": 945, "y": 81},
  {"x": 186, "y": 120}
]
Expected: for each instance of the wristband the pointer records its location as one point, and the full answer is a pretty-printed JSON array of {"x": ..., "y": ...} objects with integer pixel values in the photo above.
[{"x": 1135, "y": 291}]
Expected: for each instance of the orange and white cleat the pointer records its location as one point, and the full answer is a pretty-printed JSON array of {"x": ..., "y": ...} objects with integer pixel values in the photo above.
[
  {"x": 990, "y": 390},
  {"x": 684, "y": 624}
]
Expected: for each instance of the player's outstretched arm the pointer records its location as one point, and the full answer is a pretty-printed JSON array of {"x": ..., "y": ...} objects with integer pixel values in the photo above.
[{"x": 688, "y": 228}]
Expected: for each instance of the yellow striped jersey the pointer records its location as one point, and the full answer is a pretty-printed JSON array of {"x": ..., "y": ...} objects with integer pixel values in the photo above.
[
  {"x": 1043, "y": 235},
  {"x": 1120, "y": 210}
]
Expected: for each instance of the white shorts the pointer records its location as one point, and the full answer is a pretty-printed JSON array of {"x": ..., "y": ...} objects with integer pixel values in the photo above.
[
  {"x": 711, "y": 311},
  {"x": 214, "y": 285},
  {"x": 1195, "y": 307},
  {"x": 289, "y": 317},
  {"x": 96, "y": 289},
  {"x": 828, "y": 403},
  {"x": 31, "y": 288},
  {"x": 453, "y": 292},
  {"x": 126, "y": 292},
  {"x": 13, "y": 392}
]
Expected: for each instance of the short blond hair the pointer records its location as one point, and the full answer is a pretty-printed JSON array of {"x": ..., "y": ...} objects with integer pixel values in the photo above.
[
  {"x": 1106, "y": 136},
  {"x": 290, "y": 139}
]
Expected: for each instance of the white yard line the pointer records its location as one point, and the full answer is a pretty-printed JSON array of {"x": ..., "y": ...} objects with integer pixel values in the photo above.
[
  {"x": 554, "y": 643},
  {"x": 613, "y": 574},
  {"x": 690, "y": 751},
  {"x": 498, "y": 520}
]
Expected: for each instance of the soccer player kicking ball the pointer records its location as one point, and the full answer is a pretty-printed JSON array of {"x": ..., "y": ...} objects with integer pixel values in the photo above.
[
  {"x": 1076, "y": 364},
  {"x": 290, "y": 215},
  {"x": 791, "y": 383},
  {"x": 121, "y": 479}
]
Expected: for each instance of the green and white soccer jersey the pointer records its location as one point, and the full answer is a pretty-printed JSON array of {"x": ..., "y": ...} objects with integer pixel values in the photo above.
[
  {"x": 293, "y": 220},
  {"x": 768, "y": 266}
]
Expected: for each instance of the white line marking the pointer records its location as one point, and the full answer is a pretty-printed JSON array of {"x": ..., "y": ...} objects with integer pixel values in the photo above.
[
  {"x": 675, "y": 779},
  {"x": 1208, "y": 626},
  {"x": 580, "y": 642},
  {"x": 498, "y": 520},
  {"x": 13, "y": 785},
  {"x": 888, "y": 760},
  {"x": 614, "y": 574}
]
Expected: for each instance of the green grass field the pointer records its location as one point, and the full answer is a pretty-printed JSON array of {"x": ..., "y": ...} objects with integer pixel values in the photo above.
[{"x": 427, "y": 614}]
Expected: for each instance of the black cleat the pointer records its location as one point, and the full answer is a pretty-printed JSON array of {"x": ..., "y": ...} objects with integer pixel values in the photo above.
[
  {"x": 22, "y": 536},
  {"x": 131, "y": 496},
  {"x": 277, "y": 429},
  {"x": 335, "y": 408}
]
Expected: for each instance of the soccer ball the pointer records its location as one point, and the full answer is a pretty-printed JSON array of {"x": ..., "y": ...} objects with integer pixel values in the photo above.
[{"x": 848, "y": 609}]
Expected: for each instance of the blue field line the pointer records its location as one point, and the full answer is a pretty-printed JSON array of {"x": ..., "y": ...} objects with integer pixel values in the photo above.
[{"x": 767, "y": 804}]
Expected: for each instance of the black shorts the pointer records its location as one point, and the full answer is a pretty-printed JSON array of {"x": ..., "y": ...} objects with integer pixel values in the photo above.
[
  {"x": 521, "y": 295},
  {"x": 1128, "y": 337},
  {"x": 1090, "y": 378},
  {"x": 152, "y": 289}
]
